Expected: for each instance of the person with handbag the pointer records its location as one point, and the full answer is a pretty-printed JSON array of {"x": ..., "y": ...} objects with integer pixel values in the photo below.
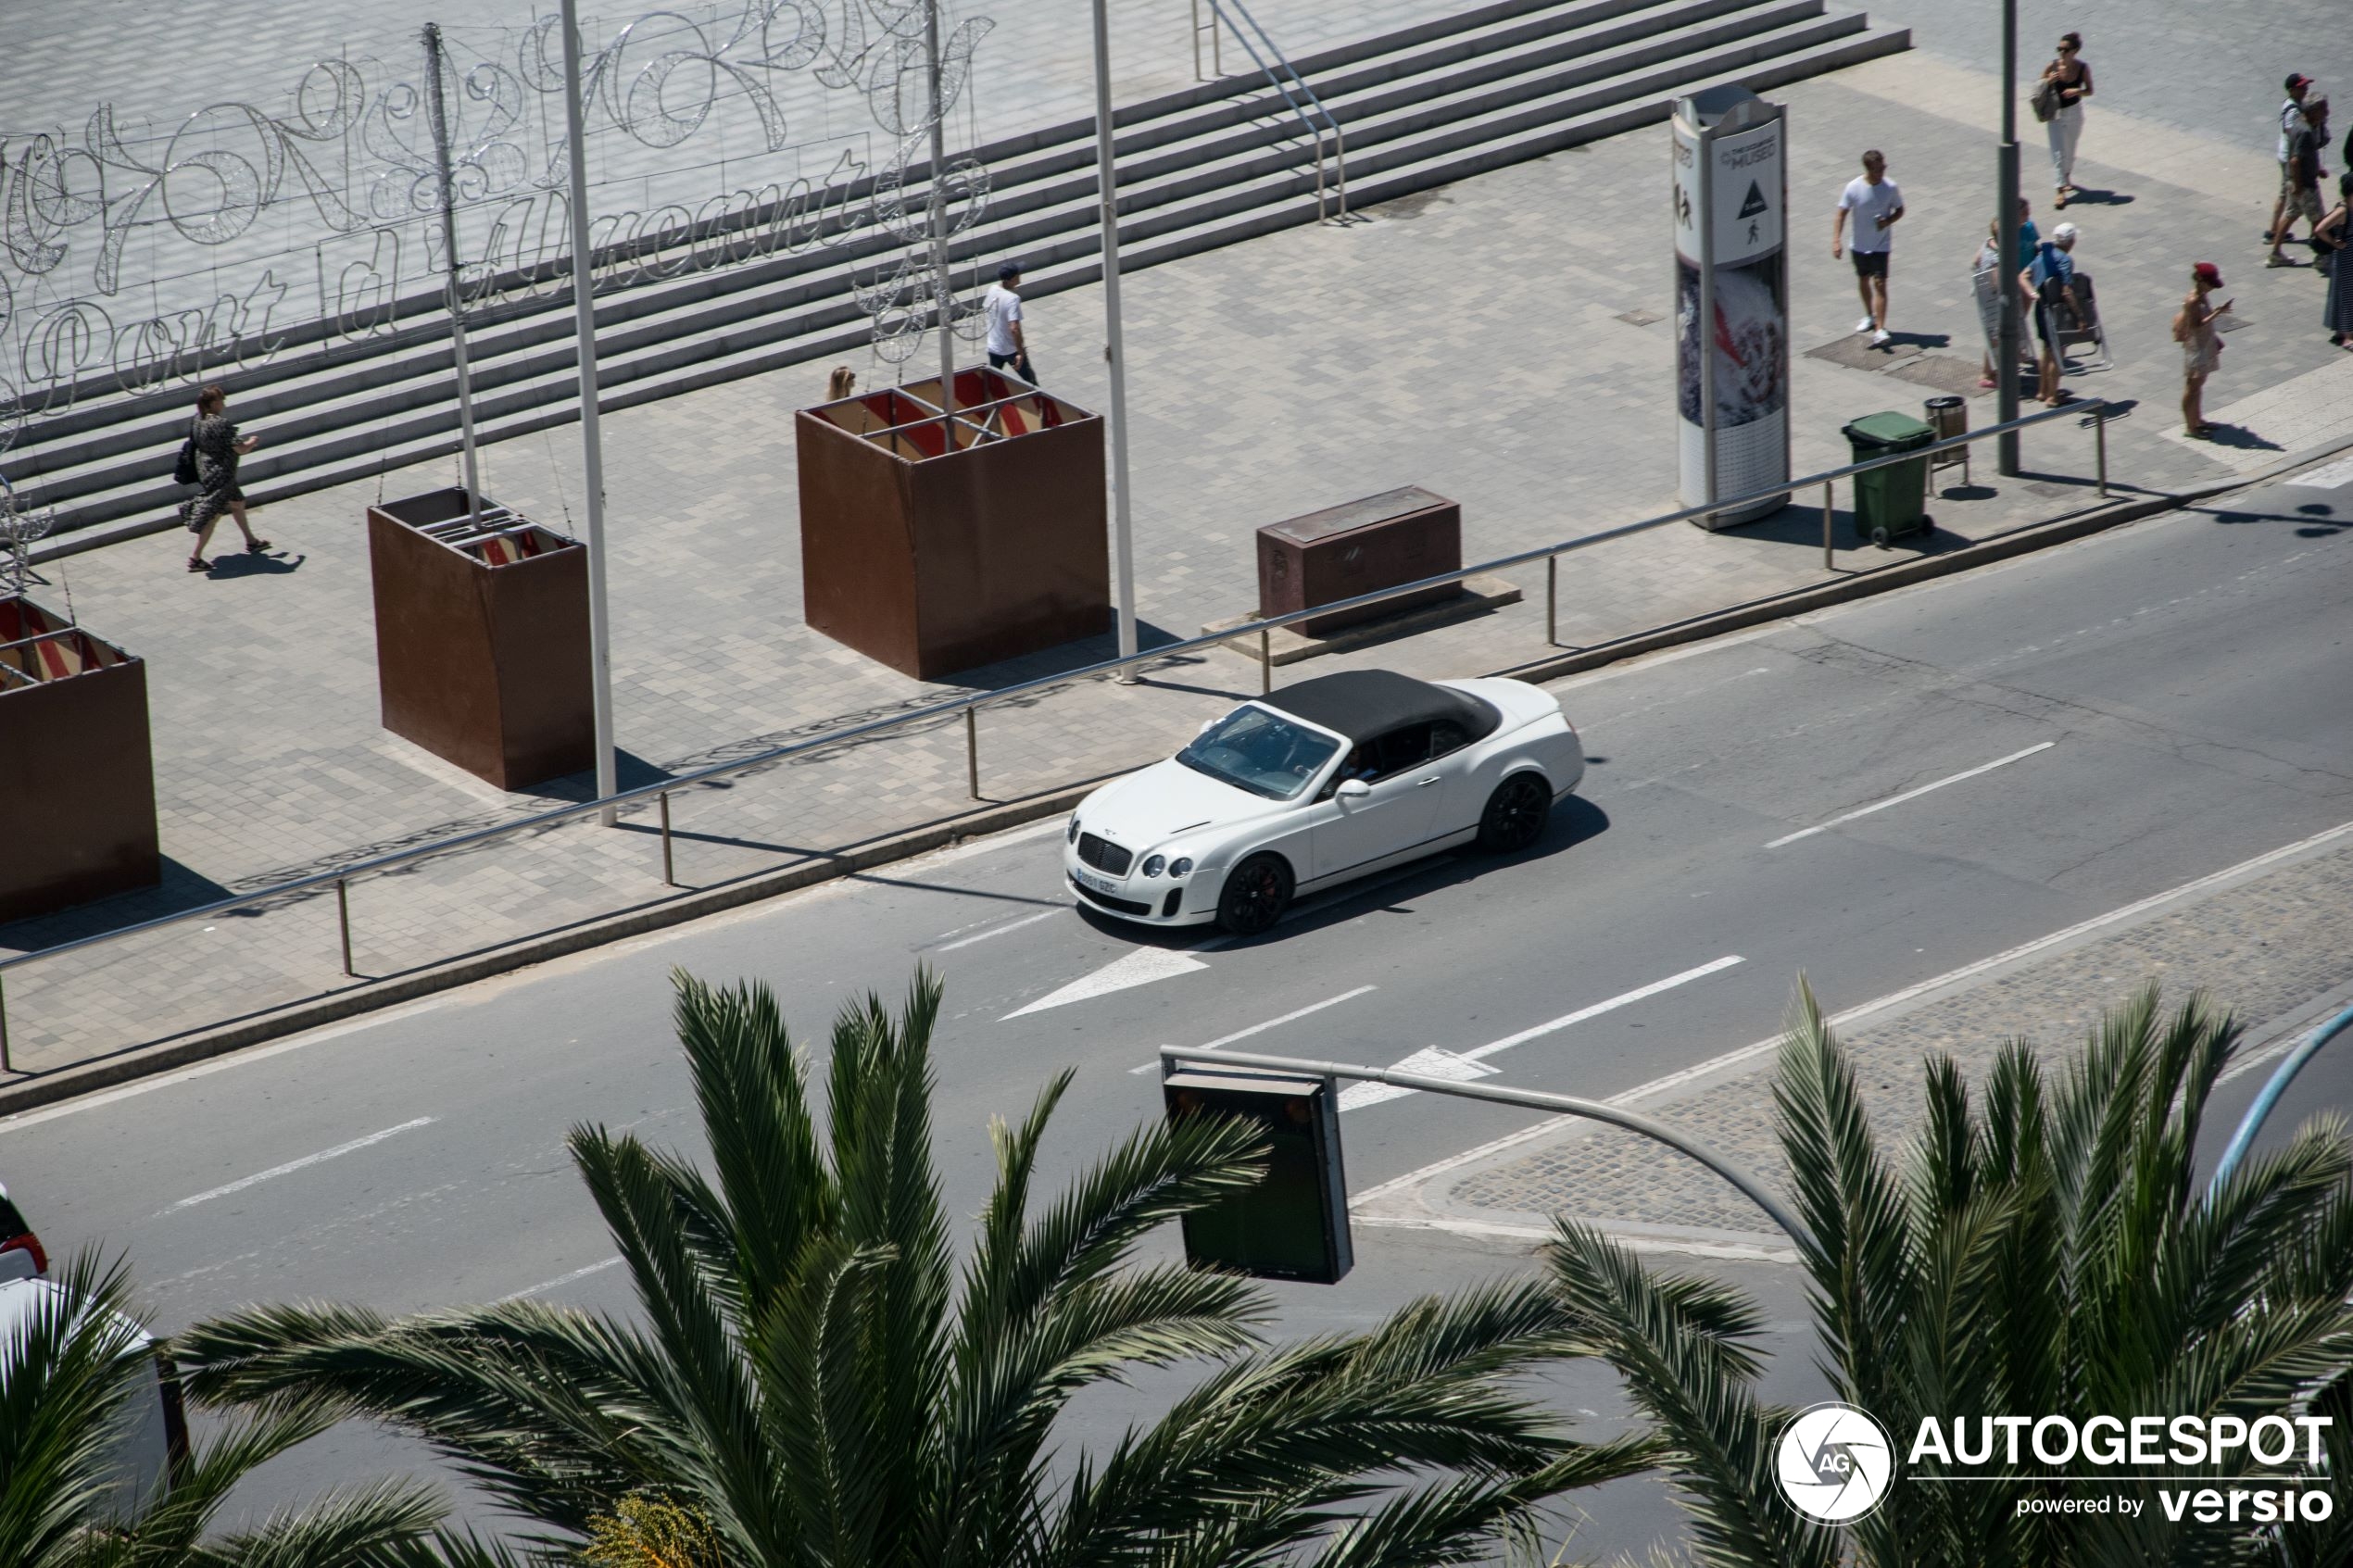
[
  {"x": 214, "y": 444},
  {"x": 2059, "y": 104},
  {"x": 2201, "y": 343}
]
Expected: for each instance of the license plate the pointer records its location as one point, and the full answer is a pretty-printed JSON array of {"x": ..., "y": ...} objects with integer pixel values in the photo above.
[{"x": 1099, "y": 883}]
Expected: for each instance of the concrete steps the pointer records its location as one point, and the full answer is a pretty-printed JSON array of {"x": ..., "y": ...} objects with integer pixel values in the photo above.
[{"x": 1210, "y": 166}]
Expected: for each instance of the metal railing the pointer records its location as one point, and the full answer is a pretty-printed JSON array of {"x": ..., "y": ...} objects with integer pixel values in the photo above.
[
  {"x": 1276, "y": 66},
  {"x": 968, "y": 709}
]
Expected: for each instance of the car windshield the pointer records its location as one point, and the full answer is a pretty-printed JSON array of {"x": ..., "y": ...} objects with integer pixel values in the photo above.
[{"x": 1261, "y": 751}]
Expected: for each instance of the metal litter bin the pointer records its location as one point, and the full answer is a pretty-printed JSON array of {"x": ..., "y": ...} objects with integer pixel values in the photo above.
[
  {"x": 1892, "y": 500},
  {"x": 1949, "y": 416}
]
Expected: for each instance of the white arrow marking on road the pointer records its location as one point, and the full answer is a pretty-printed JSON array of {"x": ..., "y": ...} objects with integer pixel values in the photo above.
[
  {"x": 1430, "y": 1062},
  {"x": 293, "y": 1165},
  {"x": 1912, "y": 794},
  {"x": 1140, "y": 968},
  {"x": 1415, "y": 1063},
  {"x": 1153, "y": 1065}
]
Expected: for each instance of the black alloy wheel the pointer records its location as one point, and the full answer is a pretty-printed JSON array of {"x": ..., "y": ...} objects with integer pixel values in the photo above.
[
  {"x": 1256, "y": 894},
  {"x": 1515, "y": 813}
]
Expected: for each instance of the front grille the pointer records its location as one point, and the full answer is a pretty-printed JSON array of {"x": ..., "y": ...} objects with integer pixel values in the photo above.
[
  {"x": 1117, "y": 906},
  {"x": 1103, "y": 855}
]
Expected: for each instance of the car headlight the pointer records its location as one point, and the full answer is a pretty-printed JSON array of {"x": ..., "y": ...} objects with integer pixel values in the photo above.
[
  {"x": 1154, "y": 865},
  {"x": 1181, "y": 866},
  {"x": 1072, "y": 837}
]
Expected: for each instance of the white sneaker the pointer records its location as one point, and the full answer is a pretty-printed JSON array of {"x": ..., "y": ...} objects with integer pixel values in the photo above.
[
  {"x": 1880, "y": 339},
  {"x": 1864, "y": 325}
]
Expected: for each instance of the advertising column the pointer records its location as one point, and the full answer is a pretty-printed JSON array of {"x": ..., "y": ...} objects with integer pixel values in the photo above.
[{"x": 1731, "y": 300}]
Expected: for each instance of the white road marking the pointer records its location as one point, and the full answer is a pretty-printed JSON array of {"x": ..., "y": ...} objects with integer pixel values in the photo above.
[
  {"x": 559, "y": 1279},
  {"x": 1000, "y": 930},
  {"x": 1431, "y": 1062},
  {"x": 1140, "y": 967},
  {"x": 1153, "y": 1066},
  {"x": 1375, "y": 1093},
  {"x": 2328, "y": 478},
  {"x": 1715, "y": 1064},
  {"x": 1912, "y": 794},
  {"x": 291, "y": 1166}
]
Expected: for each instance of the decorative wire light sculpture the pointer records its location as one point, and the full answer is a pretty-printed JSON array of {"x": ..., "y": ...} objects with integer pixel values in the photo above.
[
  {"x": 347, "y": 158},
  {"x": 18, "y": 528}
]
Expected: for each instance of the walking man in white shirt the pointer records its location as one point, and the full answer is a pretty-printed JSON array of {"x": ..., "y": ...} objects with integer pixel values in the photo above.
[
  {"x": 1008, "y": 347},
  {"x": 1876, "y": 203}
]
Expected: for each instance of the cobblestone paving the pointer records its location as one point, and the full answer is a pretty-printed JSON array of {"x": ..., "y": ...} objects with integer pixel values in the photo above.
[
  {"x": 1470, "y": 341},
  {"x": 2264, "y": 948}
]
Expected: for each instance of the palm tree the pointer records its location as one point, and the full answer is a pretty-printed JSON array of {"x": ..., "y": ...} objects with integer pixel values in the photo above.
[
  {"x": 2050, "y": 1253},
  {"x": 70, "y": 1368},
  {"x": 816, "y": 1382}
]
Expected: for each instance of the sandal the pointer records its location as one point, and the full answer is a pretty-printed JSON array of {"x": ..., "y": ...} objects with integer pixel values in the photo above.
[
  {"x": 1987, "y": 381},
  {"x": 256, "y": 546},
  {"x": 197, "y": 563}
]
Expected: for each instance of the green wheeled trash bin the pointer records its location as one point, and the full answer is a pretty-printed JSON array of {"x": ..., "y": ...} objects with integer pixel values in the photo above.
[{"x": 1892, "y": 500}]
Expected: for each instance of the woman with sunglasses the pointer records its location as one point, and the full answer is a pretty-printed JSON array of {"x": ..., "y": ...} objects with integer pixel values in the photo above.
[{"x": 2073, "y": 80}]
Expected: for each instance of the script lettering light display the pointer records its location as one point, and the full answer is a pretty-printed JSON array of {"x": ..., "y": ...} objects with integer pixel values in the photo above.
[{"x": 1730, "y": 199}]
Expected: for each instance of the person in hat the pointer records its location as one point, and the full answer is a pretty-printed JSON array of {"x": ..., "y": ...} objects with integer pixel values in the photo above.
[
  {"x": 2049, "y": 281},
  {"x": 2305, "y": 171},
  {"x": 1008, "y": 345},
  {"x": 2201, "y": 343},
  {"x": 2292, "y": 124}
]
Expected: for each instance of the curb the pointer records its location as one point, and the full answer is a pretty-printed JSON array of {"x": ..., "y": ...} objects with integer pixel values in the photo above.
[{"x": 139, "y": 1061}]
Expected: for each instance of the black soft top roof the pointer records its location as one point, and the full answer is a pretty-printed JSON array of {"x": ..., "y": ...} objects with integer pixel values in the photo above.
[{"x": 1362, "y": 704}]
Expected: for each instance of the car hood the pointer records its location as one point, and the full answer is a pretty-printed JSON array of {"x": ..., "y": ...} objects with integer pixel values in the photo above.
[{"x": 1149, "y": 808}]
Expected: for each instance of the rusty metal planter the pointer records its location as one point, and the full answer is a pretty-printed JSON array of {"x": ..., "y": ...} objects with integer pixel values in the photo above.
[
  {"x": 933, "y": 558},
  {"x": 1379, "y": 541},
  {"x": 481, "y": 638},
  {"x": 77, "y": 765}
]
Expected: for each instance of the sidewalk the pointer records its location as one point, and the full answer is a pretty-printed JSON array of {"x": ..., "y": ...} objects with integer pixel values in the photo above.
[{"x": 1500, "y": 342}]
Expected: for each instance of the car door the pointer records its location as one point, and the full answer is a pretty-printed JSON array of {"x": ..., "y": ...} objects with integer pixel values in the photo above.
[
  {"x": 1459, "y": 796},
  {"x": 1397, "y": 814}
]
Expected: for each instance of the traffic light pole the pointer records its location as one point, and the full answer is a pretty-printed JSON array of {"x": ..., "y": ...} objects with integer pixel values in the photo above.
[{"x": 1559, "y": 1105}]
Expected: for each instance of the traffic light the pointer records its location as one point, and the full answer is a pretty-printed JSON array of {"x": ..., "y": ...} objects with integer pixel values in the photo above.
[{"x": 1293, "y": 1224}]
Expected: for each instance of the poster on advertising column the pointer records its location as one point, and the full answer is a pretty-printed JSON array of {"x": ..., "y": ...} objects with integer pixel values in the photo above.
[{"x": 1731, "y": 273}]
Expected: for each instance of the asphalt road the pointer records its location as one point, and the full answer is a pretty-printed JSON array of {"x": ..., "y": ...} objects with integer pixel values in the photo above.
[{"x": 2115, "y": 719}]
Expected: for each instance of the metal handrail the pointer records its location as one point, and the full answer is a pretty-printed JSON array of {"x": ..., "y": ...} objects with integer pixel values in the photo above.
[
  {"x": 967, "y": 708},
  {"x": 1339, "y": 142}
]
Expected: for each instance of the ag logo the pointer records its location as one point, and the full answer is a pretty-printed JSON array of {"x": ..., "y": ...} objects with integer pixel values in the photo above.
[{"x": 1834, "y": 1462}]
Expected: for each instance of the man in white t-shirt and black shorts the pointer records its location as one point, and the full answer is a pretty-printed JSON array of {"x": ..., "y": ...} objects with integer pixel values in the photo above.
[
  {"x": 1875, "y": 204},
  {"x": 1008, "y": 347}
]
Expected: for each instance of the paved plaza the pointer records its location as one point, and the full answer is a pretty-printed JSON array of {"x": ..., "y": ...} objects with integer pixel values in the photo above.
[{"x": 1500, "y": 341}]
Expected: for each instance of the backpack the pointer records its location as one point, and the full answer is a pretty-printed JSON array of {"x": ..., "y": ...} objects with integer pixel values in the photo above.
[
  {"x": 2181, "y": 325},
  {"x": 184, "y": 471}
]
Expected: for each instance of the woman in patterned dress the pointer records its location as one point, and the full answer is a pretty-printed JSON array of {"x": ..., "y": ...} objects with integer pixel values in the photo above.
[{"x": 217, "y": 448}]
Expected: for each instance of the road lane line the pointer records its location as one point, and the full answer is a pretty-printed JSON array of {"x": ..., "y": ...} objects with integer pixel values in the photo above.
[
  {"x": 1374, "y": 1094},
  {"x": 1000, "y": 930},
  {"x": 291, "y": 1166},
  {"x": 1153, "y": 1066},
  {"x": 1912, "y": 794},
  {"x": 1657, "y": 1086},
  {"x": 559, "y": 1279}
]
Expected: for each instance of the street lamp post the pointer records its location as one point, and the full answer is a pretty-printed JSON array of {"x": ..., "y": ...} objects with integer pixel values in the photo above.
[
  {"x": 1106, "y": 186},
  {"x": 2005, "y": 348},
  {"x": 591, "y": 449}
]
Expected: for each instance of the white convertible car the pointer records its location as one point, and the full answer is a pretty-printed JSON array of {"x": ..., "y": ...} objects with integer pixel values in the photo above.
[{"x": 1324, "y": 781}]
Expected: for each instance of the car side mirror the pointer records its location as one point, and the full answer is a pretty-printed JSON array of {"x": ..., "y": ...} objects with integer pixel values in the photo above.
[{"x": 1354, "y": 789}]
